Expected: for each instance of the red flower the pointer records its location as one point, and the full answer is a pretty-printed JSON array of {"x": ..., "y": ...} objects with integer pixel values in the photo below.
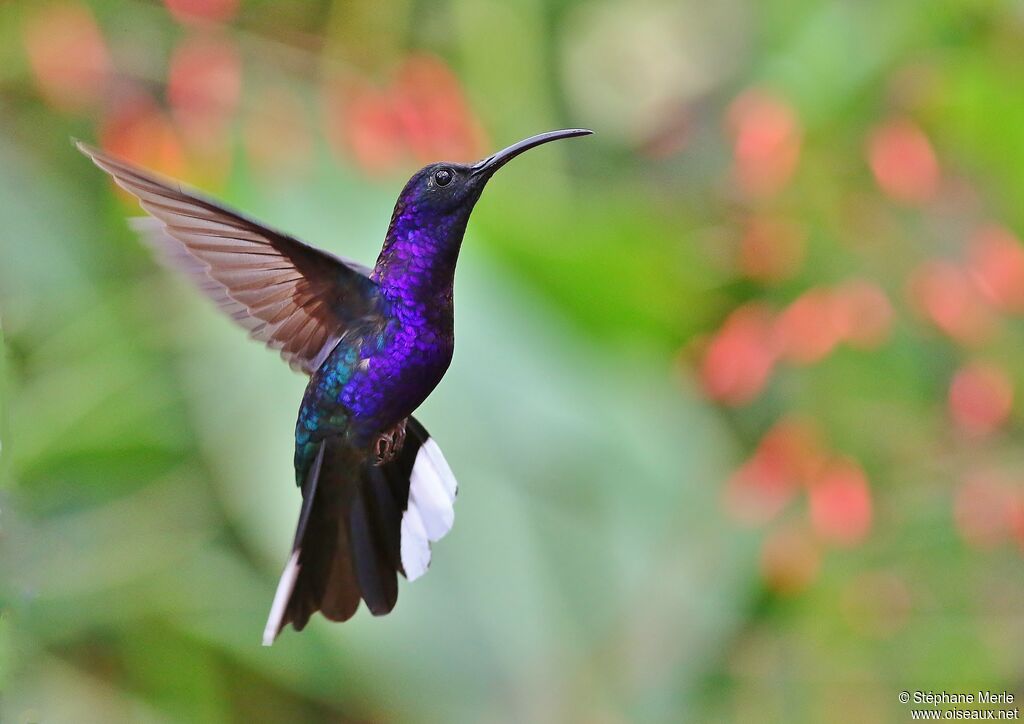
[
  {"x": 840, "y": 504},
  {"x": 809, "y": 328},
  {"x": 767, "y": 142},
  {"x": 423, "y": 114},
  {"x": 944, "y": 293},
  {"x": 903, "y": 162},
  {"x": 138, "y": 130},
  {"x": 788, "y": 456},
  {"x": 69, "y": 60},
  {"x": 980, "y": 398},
  {"x": 217, "y": 11},
  {"x": 739, "y": 359},
  {"x": 997, "y": 267},
  {"x": 203, "y": 86}
]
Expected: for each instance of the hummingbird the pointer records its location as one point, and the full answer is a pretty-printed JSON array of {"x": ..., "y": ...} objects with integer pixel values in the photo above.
[{"x": 376, "y": 488}]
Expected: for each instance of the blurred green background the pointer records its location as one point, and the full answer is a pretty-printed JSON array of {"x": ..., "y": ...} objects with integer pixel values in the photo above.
[{"x": 733, "y": 405}]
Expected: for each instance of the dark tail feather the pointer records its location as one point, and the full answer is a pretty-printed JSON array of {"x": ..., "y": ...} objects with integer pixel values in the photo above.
[
  {"x": 348, "y": 540},
  {"x": 291, "y": 601},
  {"x": 374, "y": 571}
]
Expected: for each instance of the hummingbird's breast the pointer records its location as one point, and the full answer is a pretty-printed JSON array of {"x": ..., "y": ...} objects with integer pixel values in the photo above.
[
  {"x": 380, "y": 372},
  {"x": 400, "y": 365}
]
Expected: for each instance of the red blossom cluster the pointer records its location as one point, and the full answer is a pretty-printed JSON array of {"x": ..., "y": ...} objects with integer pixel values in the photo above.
[
  {"x": 791, "y": 464},
  {"x": 740, "y": 357},
  {"x": 68, "y": 57},
  {"x": 74, "y": 70},
  {"x": 965, "y": 299},
  {"x": 421, "y": 115}
]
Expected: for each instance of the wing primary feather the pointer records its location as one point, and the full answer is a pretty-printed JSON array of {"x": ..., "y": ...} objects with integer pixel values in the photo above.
[{"x": 245, "y": 266}]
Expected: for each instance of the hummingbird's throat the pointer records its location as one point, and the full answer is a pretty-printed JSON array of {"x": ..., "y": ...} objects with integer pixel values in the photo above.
[{"x": 417, "y": 264}]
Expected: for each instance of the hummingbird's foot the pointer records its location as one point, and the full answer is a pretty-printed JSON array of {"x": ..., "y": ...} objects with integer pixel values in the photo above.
[{"x": 389, "y": 443}]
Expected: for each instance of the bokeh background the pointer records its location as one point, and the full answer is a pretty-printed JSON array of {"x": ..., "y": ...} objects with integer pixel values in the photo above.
[{"x": 735, "y": 405}]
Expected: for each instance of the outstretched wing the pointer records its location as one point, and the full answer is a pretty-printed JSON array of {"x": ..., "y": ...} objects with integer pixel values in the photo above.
[{"x": 289, "y": 295}]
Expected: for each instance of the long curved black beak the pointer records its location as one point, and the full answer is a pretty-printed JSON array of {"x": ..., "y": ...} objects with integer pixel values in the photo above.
[{"x": 492, "y": 163}]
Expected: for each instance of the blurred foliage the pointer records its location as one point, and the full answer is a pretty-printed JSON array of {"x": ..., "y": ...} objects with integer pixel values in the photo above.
[{"x": 734, "y": 403}]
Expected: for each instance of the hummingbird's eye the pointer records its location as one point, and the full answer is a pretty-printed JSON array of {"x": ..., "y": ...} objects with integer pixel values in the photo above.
[{"x": 443, "y": 177}]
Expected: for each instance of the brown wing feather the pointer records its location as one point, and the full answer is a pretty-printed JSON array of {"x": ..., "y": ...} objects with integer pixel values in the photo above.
[{"x": 291, "y": 296}]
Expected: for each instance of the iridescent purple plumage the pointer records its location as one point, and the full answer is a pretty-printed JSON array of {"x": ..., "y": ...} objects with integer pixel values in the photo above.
[
  {"x": 376, "y": 488},
  {"x": 383, "y": 368}
]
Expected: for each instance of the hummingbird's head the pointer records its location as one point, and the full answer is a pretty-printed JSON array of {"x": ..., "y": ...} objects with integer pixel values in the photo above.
[
  {"x": 433, "y": 209},
  {"x": 452, "y": 189},
  {"x": 442, "y": 189}
]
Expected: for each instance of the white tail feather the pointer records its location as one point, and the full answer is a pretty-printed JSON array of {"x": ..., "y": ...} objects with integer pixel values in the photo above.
[
  {"x": 430, "y": 513},
  {"x": 415, "y": 547},
  {"x": 441, "y": 465},
  {"x": 284, "y": 592}
]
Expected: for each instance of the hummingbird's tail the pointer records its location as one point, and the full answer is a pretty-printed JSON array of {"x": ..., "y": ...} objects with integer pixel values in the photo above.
[{"x": 361, "y": 524}]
